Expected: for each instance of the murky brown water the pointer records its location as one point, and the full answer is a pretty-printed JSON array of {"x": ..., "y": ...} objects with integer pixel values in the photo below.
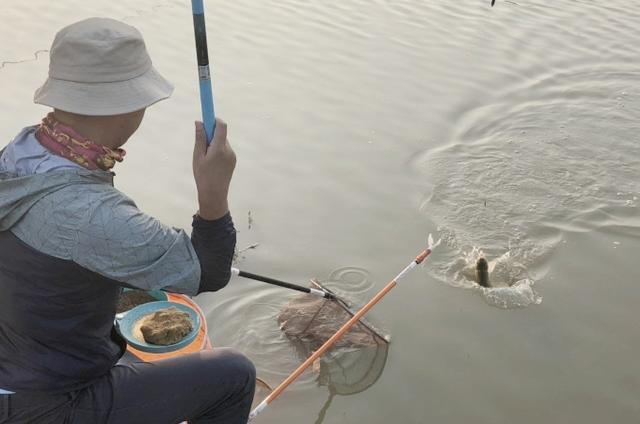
[{"x": 362, "y": 126}]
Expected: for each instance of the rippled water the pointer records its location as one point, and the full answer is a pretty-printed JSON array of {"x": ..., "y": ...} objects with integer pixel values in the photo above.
[
  {"x": 540, "y": 159},
  {"x": 362, "y": 126}
]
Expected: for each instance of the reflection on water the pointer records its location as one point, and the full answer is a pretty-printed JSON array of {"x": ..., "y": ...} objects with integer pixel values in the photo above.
[{"x": 349, "y": 372}]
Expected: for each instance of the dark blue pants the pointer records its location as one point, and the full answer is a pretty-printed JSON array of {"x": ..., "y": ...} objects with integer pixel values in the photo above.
[{"x": 209, "y": 387}]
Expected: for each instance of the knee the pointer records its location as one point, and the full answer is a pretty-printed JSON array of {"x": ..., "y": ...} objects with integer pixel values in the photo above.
[{"x": 239, "y": 365}]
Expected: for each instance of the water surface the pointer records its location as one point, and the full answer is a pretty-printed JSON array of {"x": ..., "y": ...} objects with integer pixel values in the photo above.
[{"x": 362, "y": 126}]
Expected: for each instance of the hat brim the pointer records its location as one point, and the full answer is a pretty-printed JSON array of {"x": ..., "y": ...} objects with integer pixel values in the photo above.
[{"x": 101, "y": 99}]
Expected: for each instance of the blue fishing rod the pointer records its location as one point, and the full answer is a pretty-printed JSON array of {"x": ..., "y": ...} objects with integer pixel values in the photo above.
[{"x": 204, "y": 74}]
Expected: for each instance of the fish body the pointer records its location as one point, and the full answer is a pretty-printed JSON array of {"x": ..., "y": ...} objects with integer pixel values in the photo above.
[{"x": 482, "y": 272}]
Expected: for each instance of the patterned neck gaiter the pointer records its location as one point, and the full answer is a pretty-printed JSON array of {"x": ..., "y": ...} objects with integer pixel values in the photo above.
[{"x": 62, "y": 140}]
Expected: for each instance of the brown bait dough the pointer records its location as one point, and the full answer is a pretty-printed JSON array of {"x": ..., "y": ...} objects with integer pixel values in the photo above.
[{"x": 166, "y": 326}]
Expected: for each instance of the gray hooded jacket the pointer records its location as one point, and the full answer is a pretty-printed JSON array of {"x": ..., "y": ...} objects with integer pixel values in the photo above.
[{"x": 68, "y": 242}]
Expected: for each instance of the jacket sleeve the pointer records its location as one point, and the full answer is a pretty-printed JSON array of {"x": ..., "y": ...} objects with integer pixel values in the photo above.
[
  {"x": 119, "y": 241},
  {"x": 214, "y": 243}
]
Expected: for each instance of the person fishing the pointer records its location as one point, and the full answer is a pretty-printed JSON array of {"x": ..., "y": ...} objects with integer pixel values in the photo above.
[{"x": 70, "y": 241}]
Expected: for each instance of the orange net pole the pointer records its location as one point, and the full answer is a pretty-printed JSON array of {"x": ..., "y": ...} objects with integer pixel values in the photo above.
[{"x": 333, "y": 339}]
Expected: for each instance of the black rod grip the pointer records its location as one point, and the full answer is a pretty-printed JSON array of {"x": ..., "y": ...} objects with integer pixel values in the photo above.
[
  {"x": 273, "y": 281},
  {"x": 268, "y": 280},
  {"x": 201, "y": 39}
]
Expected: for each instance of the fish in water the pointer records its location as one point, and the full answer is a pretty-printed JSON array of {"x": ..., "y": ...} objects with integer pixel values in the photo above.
[
  {"x": 482, "y": 272},
  {"x": 503, "y": 273}
]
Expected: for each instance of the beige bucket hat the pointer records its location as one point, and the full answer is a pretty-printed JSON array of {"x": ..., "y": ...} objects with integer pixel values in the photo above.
[{"x": 100, "y": 66}]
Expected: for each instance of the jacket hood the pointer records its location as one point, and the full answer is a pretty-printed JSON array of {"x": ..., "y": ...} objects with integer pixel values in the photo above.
[
  {"x": 29, "y": 172},
  {"x": 19, "y": 193}
]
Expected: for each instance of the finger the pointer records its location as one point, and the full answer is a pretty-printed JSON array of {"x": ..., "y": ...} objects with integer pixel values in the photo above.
[
  {"x": 200, "y": 147},
  {"x": 220, "y": 133}
]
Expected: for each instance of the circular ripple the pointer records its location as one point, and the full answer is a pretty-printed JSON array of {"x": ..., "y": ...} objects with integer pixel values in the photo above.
[
  {"x": 559, "y": 153},
  {"x": 350, "y": 283}
]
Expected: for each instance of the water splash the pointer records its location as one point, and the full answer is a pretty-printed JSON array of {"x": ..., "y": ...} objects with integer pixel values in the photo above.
[
  {"x": 511, "y": 284},
  {"x": 520, "y": 295},
  {"x": 541, "y": 159}
]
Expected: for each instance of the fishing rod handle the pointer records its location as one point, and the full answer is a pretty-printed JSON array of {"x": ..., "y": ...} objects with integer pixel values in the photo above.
[
  {"x": 273, "y": 281},
  {"x": 204, "y": 73}
]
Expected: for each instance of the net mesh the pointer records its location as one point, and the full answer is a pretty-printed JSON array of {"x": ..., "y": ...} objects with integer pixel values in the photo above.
[{"x": 356, "y": 360}]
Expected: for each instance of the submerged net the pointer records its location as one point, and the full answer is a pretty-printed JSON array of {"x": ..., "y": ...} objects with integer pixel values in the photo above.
[{"x": 357, "y": 359}]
